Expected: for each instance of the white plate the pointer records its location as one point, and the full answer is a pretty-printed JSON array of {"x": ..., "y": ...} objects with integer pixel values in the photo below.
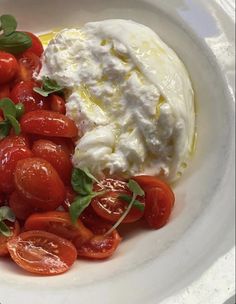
[{"x": 153, "y": 265}]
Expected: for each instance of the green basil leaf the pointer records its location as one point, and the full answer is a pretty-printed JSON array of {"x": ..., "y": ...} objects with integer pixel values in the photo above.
[
  {"x": 5, "y": 128},
  {"x": 7, "y": 214},
  {"x": 86, "y": 171},
  {"x": 5, "y": 230},
  {"x": 15, "y": 43},
  {"x": 81, "y": 182},
  {"x": 135, "y": 188},
  {"x": 49, "y": 86},
  {"x": 137, "y": 204},
  {"x": 20, "y": 110},
  {"x": 15, "y": 124},
  {"x": 8, "y": 24},
  {"x": 79, "y": 205},
  {"x": 41, "y": 92},
  {"x": 8, "y": 107}
]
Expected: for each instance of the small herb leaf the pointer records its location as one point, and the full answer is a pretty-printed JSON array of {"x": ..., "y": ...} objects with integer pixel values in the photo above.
[
  {"x": 137, "y": 204},
  {"x": 49, "y": 86},
  {"x": 80, "y": 204},
  {"x": 15, "y": 43},
  {"x": 81, "y": 182},
  {"x": 5, "y": 128},
  {"x": 8, "y": 24},
  {"x": 135, "y": 188},
  {"x": 41, "y": 92},
  {"x": 5, "y": 230},
  {"x": 20, "y": 110},
  {"x": 15, "y": 124},
  {"x": 8, "y": 107},
  {"x": 86, "y": 171},
  {"x": 7, "y": 214}
]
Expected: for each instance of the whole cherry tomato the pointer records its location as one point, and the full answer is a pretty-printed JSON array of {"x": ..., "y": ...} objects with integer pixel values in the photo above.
[
  {"x": 109, "y": 206},
  {"x": 55, "y": 156},
  {"x": 42, "y": 252},
  {"x": 38, "y": 183},
  {"x": 8, "y": 67},
  {"x": 29, "y": 63},
  {"x": 15, "y": 229},
  {"x": 59, "y": 223},
  {"x": 23, "y": 92},
  {"x": 37, "y": 47},
  {"x": 57, "y": 104},
  {"x": 21, "y": 208},
  {"x": 49, "y": 124}
]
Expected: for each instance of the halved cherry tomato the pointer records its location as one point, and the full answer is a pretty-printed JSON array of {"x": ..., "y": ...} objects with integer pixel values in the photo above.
[
  {"x": 8, "y": 67},
  {"x": 55, "y": 156},
  {"x": 109, "y": 206},
  {"x": 13, "y": 141},
  {"x": 37, "y": 47},
  {"x": 38, "y": 182},
  {"x": 69, "y": 199},
  {"x": 159, "y": 200},
  {"x": 49, "y": 124},
  {"x": 21, "y": 208},
  {"x": 8, "y": 160},
  {"x": 23, "y": 92},
  {"x": 29, "y": 63},
  {"x": 15, "y": 229},
  {"x": 59, "y": 223},
  {"x": 99, "y": 246},
  {"x": 57, "y": 104},
  {"x": 4, "y": 91},
  {"x": 42, "y": 252}
]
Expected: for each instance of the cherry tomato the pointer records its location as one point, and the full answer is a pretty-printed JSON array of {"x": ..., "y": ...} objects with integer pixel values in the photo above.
[
  {"x": 69, "y": 199},
  {"x": 37, "y": 47},
  {"x": 159, "y": 200},
  {"x": 8, "y": 160},
  {"x": 29, "y": 63},
  {"x": 55, "y": 156},
  {"x": 15, "y": 229},
  {"x": 42, "y": 252},
  {"x": 4, "y": 91},
  {"x": 21, "y": 208},
  {"x": 8, "y": 67},
  {"x": 57, "y": 104},
  {"x": 59, "y": 223},
  {"x": 23, "y": 92},
  {"x": 13, "y": 141},
  {"x": 39, "y": 183},
  {"x": 49, "y": 124},
  {"x": 99, "y": 246},
  {"x": 109, "y": 206}
]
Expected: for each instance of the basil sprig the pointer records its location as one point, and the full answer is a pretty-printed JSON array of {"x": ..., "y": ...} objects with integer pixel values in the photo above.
[
  {"x": 6, "y": 214},
  {"x": 82, "y": 183},
  {"x": 12, "y": 41},
  {"x": 48, "y": 87},
  {"x": 11, "y": 113},
  {"x": 137, "y": 191}
]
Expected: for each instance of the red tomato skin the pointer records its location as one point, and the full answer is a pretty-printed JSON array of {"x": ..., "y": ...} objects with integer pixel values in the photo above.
[
  {"x": 23, "y": 92},
  {"x": 99, "y": 247},
  {"x": 38, "y": 183},
  {"x": 3, "y": 239},
  {"x": 69, "y": 199},
  {"x": 37, "y": 47},
  {"x": 109, "y": 206},
  {"x": 55, "y": 156},
  {"x": 4, "y": 91},
  {"x": 48, "y": 124},
  {"x": 59, "y": 223},
  {"x": 158, "y": 208},
  {"x": 8, "y": 161},
  {"x": 57, "y": 104},
  {"x": 29, "y": 64},
  {"x": 8, "y": 67},
  {"x": 21, "y": 208},
  {"x": 13, "y": 141},
  {"x": 42, "y": 253}
]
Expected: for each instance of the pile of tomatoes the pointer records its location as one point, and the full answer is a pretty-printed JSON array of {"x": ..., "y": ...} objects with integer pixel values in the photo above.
[{"x": 35, "y": 181}]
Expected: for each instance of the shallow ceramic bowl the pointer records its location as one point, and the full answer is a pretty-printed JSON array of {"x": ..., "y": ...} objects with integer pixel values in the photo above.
[{"x": 152, "y": 265}]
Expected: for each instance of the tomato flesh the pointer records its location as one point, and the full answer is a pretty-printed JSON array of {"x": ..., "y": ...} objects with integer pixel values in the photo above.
[
  {"x": 21, "y": 208},
  {"x": 37, "y": 47},
  {"x": 15, "y": 229},
  {"x": 55, "y": 156},
  {"x": 39, "y": 184},
  {"x": 48, "y": 124},
  {"x": 42, "y": 253},
  {"x": 29, "y": 63},
  {"x": 109, "y": 206},
  {"x": 59, "y": 223},
  {"x": 8, "y": 67}
]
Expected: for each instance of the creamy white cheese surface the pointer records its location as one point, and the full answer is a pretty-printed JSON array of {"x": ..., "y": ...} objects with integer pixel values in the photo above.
[{"x": 130, "y": 96}]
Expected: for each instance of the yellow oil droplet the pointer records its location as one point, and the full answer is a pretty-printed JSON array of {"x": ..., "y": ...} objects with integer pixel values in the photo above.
[
  {"x": 88, "y": 97},
  {"x": 179, "y": 174},
  {"x": 160, "y": 102},
  {"x": 104, "y": 42},
  {"x": 184, "y": 165},
  {"x": 47, "y": 37}
]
